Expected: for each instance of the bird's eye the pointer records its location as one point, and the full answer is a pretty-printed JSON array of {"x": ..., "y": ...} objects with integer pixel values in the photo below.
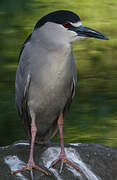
[{"x": 66, "y": 24}]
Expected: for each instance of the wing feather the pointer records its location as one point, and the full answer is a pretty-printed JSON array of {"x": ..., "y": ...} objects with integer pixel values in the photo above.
[
  {"x": 69, "y": 101},
  {"x": 22, "y": 85}
]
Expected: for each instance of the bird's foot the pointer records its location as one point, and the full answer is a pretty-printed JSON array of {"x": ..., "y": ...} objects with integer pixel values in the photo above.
[
  {"x": 63, "y": 160},
  {"x": 30, "y": 165}
]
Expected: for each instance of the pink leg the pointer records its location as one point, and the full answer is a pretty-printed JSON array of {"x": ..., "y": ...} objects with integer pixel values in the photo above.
[
  {"x": 62, "y": 156},
  {"x": 31, "y": 164}
]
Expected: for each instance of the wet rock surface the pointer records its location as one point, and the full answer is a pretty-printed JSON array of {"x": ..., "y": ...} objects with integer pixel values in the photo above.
[{"x": 96, "y": 161}]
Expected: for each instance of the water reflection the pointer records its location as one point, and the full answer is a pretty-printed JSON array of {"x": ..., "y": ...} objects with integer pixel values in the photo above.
[{"x": 93, "y": 115}]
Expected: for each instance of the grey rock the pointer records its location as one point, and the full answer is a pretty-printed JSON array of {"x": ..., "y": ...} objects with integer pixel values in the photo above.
[{"x": 96, "y": 161}]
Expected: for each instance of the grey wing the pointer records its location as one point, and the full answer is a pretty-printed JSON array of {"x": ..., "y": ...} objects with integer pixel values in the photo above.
[
  {"x": 69, "y": 101},
  {"x": 73, "y": 87},
  {"x": 22, "y": 84}
]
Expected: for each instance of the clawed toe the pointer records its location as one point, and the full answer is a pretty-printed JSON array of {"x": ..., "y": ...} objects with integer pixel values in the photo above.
[
  {"x": 63, "y": 160},
  {"x": 30, "y": 167}
]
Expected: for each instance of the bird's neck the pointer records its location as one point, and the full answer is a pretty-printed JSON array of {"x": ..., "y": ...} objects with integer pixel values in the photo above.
[{"x": 57, "y": 43}]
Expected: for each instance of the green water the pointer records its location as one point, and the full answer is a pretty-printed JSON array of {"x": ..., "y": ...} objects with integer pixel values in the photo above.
[{"x": 93, "y": 115}]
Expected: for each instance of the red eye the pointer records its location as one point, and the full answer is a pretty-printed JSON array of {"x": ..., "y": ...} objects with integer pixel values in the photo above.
[{"x": 66, "y": 24}]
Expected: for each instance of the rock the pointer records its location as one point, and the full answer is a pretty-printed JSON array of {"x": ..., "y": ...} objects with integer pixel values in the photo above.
[{"x": 96, "y": 161}]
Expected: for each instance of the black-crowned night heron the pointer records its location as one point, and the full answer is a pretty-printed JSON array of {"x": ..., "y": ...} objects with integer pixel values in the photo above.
[{"x": 46, "y": 78}]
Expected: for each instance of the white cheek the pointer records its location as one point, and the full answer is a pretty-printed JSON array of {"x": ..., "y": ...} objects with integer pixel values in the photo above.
[
  {"x": 80, "y": 38},
  {"x": 73, "y": 36}
]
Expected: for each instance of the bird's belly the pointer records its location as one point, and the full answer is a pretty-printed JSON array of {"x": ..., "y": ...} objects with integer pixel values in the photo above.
[
  {"x": 50, "y": 90},
  {"x": 49, "y": 97},
  {"x": 51, "y": 85}
]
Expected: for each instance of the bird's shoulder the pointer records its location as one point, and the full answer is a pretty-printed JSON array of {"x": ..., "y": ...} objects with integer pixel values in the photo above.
[{"x": 25, "y": 44}]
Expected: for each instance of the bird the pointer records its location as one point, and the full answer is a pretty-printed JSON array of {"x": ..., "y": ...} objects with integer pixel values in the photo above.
[{"x": 46, "y": 78}]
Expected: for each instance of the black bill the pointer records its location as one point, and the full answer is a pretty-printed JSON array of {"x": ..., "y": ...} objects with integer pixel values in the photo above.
[{"x": 88, "y": 32}]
